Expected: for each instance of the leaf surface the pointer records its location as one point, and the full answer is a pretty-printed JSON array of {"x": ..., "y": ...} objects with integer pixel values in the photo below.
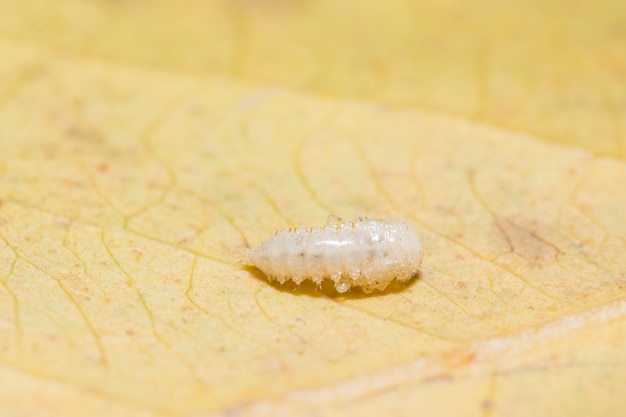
[{"x": 146, "y": 145}]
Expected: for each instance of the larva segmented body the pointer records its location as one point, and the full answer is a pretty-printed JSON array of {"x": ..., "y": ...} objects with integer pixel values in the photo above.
[{"x": 368, "y": 253}]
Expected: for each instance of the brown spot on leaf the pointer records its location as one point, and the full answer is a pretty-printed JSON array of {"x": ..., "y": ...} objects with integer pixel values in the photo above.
[{"x": 529, "y": 239}]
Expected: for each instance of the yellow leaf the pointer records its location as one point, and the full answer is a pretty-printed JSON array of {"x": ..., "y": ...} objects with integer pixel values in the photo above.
[{"x": 145, "y": 145}]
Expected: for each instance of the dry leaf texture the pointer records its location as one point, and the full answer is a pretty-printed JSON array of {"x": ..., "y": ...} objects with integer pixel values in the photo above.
[{"x": 136, "y": 170}]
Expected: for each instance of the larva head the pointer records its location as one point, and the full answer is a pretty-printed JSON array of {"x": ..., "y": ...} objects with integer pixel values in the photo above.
[
  {"x": 411, "y": 248},
  {"x": 396, "y": 248}
]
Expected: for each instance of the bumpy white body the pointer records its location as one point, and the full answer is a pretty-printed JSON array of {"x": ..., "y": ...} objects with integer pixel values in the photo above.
[{"x": 368, "y": 253}]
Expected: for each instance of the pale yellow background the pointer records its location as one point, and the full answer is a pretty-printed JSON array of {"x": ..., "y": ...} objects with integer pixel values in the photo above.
[{"x": 144, "y": 145}]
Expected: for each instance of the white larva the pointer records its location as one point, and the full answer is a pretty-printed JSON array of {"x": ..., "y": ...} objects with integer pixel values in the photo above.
[{"x": 368, "y": 253}]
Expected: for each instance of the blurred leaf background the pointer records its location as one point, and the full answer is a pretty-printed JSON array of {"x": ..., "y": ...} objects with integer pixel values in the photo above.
[{"x": 144, "y": 145}]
